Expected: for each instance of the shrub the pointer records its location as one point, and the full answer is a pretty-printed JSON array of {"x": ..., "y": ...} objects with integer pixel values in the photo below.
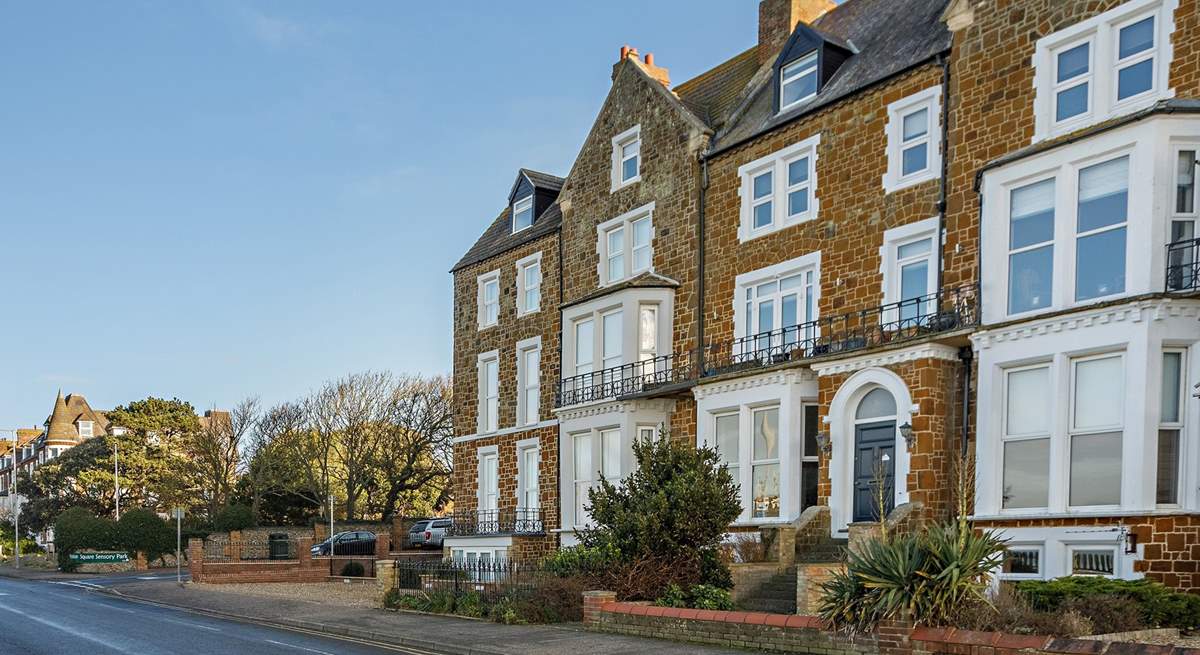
[
  {"x": 77, "y": 529},
  {"x": 1011, "y": 612},
  {"x": 581, "y": 560},
  {"x": 928, "y": 576},
  {"x": 670, "y": 511},
  {"x": 551, "y": 600},
  {"x": 233, "y": 517},
  {"x": 395, "y": 599},
  {"x": 745, "y": 549},
  {"x": 704, "y": 597},
  {"x": 1157, "y": 605},
  {"x": 469, "y": 604},
  {"x": 353, "y": 570},
  {"x": 141, "y": 530}
]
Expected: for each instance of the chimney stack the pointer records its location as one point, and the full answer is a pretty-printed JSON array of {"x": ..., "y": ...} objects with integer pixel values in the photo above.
[
  {"x": 660, "y": 74},
  {"x": 777, "y": 20}
]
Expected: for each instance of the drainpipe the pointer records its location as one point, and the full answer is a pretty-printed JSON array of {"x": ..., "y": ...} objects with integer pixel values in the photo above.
[
  {"x": 702, "y": 193},
  {"x": 943, "y": 182}
]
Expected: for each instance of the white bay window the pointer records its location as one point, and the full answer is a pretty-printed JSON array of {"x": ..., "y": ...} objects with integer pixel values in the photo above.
[{"x": 1097, "y": 428}]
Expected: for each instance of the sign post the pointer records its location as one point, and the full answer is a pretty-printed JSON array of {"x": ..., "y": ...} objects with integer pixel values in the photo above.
[{"x": 178, "y": 512}]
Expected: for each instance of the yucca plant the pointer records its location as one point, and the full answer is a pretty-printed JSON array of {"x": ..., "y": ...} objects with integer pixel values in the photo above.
[{"x": 924, "y": 577}]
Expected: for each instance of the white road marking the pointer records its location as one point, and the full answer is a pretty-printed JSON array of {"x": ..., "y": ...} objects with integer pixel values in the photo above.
[
  {"x": 68, "y": 630},
  {"x": 311, "y": 650},
  {"x": 190, "y": 624}
]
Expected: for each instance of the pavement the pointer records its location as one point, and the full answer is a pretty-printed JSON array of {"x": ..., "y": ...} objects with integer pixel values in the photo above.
[{"x": 426, "y": 633}]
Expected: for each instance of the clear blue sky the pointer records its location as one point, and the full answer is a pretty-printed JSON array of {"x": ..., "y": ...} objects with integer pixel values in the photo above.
[{"x": 216, "y": 199}]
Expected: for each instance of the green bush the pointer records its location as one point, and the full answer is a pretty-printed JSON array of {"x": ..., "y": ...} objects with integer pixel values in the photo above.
[
  {"x": 700, "y": 596},
  {"x": 77, "y": 529},
  {"x": 469, "y": 604},
  {"x": 440, "y": 602},
  {"x": 1158, "y": 605},
  {"x": 233, "y": 517},
  {"x": 665, "y": 520},
  {"x": 353, "y": 570},
  {"x": 928, "y": 576},
  {"x": 141, "y": 530},
  {"x": 581, "y": 560}
]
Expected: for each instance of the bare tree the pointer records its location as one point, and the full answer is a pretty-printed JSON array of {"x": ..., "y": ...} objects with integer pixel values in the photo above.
[
  {"x": 216, "y": 450},
  {"x": 305, "y": 450},
  {"x": 416, "y": 441},
  {"x": 349, "y": 414},
  {"x": 263, "y": 465}
]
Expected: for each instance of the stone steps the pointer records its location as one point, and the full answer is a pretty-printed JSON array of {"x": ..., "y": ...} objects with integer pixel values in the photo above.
[{"x": 776, "y": 593}]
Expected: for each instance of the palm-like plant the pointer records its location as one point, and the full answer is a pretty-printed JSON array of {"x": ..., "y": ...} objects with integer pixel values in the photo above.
[{"x": 924, "y": 577}]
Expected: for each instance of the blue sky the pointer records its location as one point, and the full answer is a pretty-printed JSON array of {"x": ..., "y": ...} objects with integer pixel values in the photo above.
[{"x": 216, "y": 199}]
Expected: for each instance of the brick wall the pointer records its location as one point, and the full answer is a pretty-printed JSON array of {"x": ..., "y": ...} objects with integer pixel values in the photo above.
[
  {"x": 854, "y": 210},
  {"x": 1171, "y": 544},
  {"x": 779, "y": 633},
  {"x": 935, "y": 386},
  {"x": 470, "y": 341},
  {"x": 669, "y": 178}
]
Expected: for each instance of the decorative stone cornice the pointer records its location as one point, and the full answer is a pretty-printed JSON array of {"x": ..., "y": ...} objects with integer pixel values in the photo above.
[
  {"x": 888, "y": 358},
  {"x": 784, "y": 376},
  {"x": 1157, "y": 309},
  {"x": 506, "y": 431},
  {"x": 575, "y": 412}
]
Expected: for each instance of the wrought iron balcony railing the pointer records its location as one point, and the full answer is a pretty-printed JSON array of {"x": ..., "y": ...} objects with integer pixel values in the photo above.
[
  {"x": 496, "y": 521},
  {"x": 1183, "y": 265},
  {"x": 946, "y": 310},
  {"x": 625, "y": 379}
]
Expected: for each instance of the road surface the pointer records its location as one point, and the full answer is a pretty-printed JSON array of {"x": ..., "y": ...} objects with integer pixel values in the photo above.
[{"x": 40, "y": 617}]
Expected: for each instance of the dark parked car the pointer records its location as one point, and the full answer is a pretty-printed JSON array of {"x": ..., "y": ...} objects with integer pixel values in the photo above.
[
  {"x": 416, "y": 533},
  {"x": 347, "y": 543}
]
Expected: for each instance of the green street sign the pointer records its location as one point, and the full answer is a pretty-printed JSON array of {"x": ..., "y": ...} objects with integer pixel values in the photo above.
[{"x": 99, "y": 558}]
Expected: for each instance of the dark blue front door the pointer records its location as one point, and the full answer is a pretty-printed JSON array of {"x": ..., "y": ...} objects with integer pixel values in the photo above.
[{"x": 874, "y": 458}]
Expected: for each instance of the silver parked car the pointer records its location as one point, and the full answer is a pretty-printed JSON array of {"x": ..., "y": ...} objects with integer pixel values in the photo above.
[
  {"x": 416, "y": 533},
  {"x": 435, "y": 533}
]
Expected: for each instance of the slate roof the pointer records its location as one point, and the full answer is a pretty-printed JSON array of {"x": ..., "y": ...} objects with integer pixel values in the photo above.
[
  {"x": 887, "y": 36},
  {"x": 543, "y": 180},
  {"x": 713, "y": 94},
  {"x": 499, "y": 237}
]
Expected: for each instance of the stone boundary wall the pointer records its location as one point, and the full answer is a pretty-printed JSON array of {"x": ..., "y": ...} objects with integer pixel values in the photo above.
[
  {"x": 783, "y": 633},
  {"x": 305, "y": 568}
]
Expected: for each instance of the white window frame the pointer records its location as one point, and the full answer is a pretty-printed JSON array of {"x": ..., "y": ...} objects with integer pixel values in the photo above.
[
  {"x": 85, "y": 430},
  {"x": 523, "y": 266},
  {"x": 582, "y": 481},
  {"x": 1179, "y": 426},
  {"x": 1048, "y": 435},
  {"x": 890, "y": 264},
  {"x": 619, "y": 143},
  {"x": 484, "y": 455},
  {"x": 744, "y": 319},
  {"x": 1072, "y": 431},
  {"x": 777, "y": 461},
  {"x": 1187, "y": 218},
  {"x": 1071, "y": 549},
  {"x": 524, "y": 476},
  {"x": 485, "y": 402},
  {"x": 929, "y": 100},
  {"x": 519, "y": 206},
  {"x": 1037, "y": 547},
  {"x": 1102, "y": 32},
  {"x": 777, "y": 164},
  {"x": 807, "y": 65},
  {"x": 647, "y": 433},
  {"x": 625, "y": 223},
  {"x": 528, "y": 381},
  {"x": 484, "y": 281}
]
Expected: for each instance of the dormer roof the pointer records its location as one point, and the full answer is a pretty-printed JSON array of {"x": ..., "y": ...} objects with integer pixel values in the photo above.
[{"x": 881, "y": 39}]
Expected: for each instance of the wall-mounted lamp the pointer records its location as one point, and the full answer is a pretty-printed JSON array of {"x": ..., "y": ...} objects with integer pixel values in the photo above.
[
  {"x": 823, "y": 443},
  {"x": 906, "y": 431}
]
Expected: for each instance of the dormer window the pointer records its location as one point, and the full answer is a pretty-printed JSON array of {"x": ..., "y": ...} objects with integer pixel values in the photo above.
[
  {"x": 798, "y": 81},
  {"x": 85, "y": 429},
  {"x": 522, "y": 214}
]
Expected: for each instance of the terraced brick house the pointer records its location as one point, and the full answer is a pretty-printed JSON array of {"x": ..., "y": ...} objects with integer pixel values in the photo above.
[
  {"x": 1079, "y": 131},
  {"x": 890, "y": 235}
]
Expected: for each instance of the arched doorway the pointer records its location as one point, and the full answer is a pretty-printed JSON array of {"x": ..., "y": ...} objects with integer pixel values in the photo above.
[{"x": 874, "y": 455}]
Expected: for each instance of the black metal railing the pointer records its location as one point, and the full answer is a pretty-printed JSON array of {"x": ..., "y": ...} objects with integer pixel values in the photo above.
[
  {"x": 946, "y": 310},
  {"x": 496, "y": 521},
  {"x": 625, "y": 379},
  {"x": 486, "y": 576},
  {"x": 1183, "y": 265}
]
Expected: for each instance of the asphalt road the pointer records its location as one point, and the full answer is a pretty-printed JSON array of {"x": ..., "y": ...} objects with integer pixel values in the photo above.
[{"x": 51, "y": 618}]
